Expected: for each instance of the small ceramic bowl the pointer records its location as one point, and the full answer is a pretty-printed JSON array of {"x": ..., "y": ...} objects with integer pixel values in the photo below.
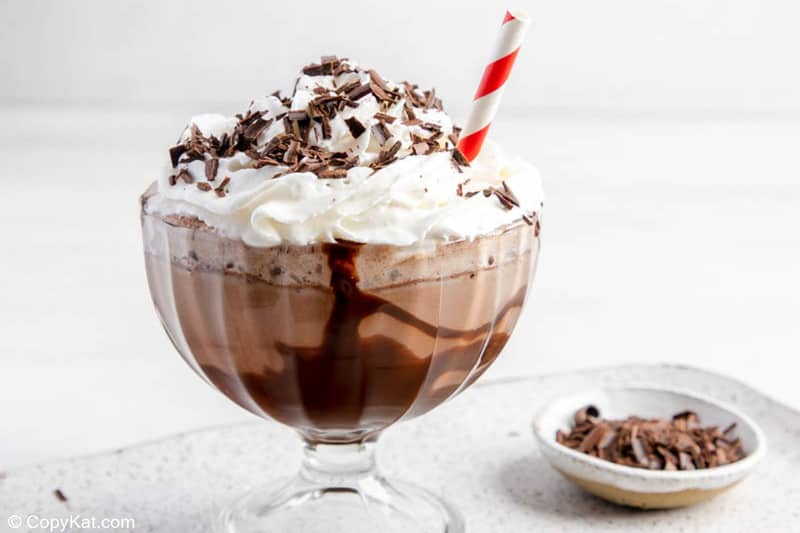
[{"x": 637, "y": 487}]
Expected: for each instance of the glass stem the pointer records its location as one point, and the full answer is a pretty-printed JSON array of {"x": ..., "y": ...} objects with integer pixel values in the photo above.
[{"x": 337, "y": 464}]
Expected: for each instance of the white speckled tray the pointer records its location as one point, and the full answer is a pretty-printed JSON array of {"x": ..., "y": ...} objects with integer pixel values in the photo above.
[{"x": 477, "y": 450}]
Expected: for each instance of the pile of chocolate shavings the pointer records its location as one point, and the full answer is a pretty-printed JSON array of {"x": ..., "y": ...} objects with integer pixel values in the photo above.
[
  {"x": 296, "y": 149},
  {"x": 656, "y": 444},
  {"x": 328, "y": 66}
]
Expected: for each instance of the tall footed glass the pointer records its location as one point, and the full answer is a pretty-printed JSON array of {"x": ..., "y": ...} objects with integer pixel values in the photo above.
[{"x": 338, "y": 341}]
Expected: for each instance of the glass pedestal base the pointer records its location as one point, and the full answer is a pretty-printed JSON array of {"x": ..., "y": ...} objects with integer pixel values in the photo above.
[{"x": 340, "y": 489}]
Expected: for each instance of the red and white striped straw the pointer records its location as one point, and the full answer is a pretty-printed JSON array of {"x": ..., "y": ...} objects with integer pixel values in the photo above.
[{"x": 490, "y": 90}]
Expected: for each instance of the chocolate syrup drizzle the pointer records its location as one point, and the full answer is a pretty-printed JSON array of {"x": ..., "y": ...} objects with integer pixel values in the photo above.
[
  {"x": 356, "y": 385},
  {"x": 346, "y": 358}
]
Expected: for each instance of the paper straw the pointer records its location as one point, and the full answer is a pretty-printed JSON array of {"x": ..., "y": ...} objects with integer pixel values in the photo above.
[{"x": 490, "y": 90}]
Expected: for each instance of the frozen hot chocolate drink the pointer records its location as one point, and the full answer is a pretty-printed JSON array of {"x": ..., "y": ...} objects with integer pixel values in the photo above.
[{"x": 329, "y": 259}]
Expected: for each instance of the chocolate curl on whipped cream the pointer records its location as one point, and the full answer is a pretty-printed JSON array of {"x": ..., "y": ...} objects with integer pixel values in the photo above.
[
  {"x": 347, "y": 154},
  {"x": 300, "y": 145}
]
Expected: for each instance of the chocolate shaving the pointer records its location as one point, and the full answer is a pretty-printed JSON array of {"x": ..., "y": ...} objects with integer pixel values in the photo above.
[
  {"x": 221, "y": 189},
  {"x": 59, "y": 494},
  {"x": 328, "y": 65},
  {"x": 460, "y": 158},
  {"x": 380, "y": 89},
  {"x": 430, "y": 97},
  {"x": 381, "y": 133},
  {"x": 379, "y": 93},
  {"x": 326, "y": 106},
  {"x": 436, "y": 135},
  {"x": 313, "y": 69},
  {"x": 431, "y": 101},
  {"x": 657, "y": 444},
  {"x": 347, "y": 87},
  {"x": 256, "y": 128},
  {"x": 383, "y": 117},
  {"x": 212, "y": 165},
  {"x": 391, "y": 152},
  {"x": 185, "y": 176},
  {"x": 355, "y": 126},
  {"x": 175, "y": 154},
  {"x": 409, "y": 112},
  {"x": 505, "y": 196},
  {"x": 342, "y": 67},
  {"x": 375, "y": 78},
  {"x": 591, "y": 439},
  {"x": 329, "y": 173},
  {"x": 359, "y": 92},
  {"x": 203, "y": 186},
  {"x": 290, "y": 156},
  {"x": 504, "y": 199},
  {"x": 412, "y": 95},
  {"x": 385, "y": 157}
]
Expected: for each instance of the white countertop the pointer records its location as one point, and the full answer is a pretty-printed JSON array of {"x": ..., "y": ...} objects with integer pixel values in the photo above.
[
  {"x": 664, "y": 240},
  {"x": 492, "y": 472}
]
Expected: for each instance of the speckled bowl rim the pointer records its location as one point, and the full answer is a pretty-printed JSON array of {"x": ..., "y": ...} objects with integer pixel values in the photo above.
[{"x": 733, "y": 471}]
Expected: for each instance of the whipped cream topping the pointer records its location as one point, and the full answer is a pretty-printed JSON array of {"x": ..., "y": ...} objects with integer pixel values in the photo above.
[{"x": 348, "y": 156}]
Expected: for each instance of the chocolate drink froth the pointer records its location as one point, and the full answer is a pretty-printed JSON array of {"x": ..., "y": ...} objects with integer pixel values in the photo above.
[{"x": 334, "y": 360}]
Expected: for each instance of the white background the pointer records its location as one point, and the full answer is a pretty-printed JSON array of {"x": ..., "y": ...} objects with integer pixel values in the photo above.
[
  {"x": 668, "y": 133},
  {"x": 667, "y": 55}
]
